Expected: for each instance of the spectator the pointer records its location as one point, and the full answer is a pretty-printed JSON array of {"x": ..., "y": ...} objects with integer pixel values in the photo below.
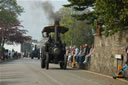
[
  {"x": 4, "y": 55},
  {"x": 72, "y": 53},
  {"x": 16, "y": 54},
  {"x": 12, "y": 54},
  {"x": 76, "y": 53},
  {"x": 123, "y": 68},
  {"x": 89, "y": 55},
  {"x": 67, "y": 51},
  {"x": 80, "y": 55},
  {"x": 86, "y": 49},
  {"x": 126, "y": 49},
  {"x": 9, "y": 54},
  {"x": 0, "y": 55},
  {"x": 69, "y": 54},
  {"x": 85, "y": 52}
]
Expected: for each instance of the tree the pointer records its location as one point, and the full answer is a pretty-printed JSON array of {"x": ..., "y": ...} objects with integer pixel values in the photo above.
[
  {"x": 108, "y": 16},
  {"x": 113, "y": 14},
  {"x": 67, "y": 21},
  {"x": 79, "y": 32},
  {"x": 11, "y": 5},
  {"x": 82, "y": 9},
  {"x": 9, "y": 23}
]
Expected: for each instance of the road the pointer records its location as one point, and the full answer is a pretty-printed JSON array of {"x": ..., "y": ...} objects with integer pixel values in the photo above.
[{"x": 28, "y": 72}]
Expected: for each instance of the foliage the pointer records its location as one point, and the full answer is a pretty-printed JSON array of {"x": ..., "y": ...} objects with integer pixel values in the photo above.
[
  {"x": 80, "y": 5},
  {"x": 9, "y": 24},
  {"x": 111, "y": 15},
  {"x": 7, "y": 18},
  {"x": 79, "y": 32},
  {"x": 1, "y": 49},
  {"x": 11, "y": 5},
  {"x": 82, "y": 9}
]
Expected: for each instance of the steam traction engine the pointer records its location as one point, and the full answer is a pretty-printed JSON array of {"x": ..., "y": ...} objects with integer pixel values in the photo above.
[{"x": 53, "y": 50}]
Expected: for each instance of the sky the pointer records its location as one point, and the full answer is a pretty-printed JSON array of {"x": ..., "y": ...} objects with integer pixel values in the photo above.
[{"x": 34, "y": 19}]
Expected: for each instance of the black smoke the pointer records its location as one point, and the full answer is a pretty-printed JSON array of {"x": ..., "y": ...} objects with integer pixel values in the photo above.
[{"x": 48, "y": 9}]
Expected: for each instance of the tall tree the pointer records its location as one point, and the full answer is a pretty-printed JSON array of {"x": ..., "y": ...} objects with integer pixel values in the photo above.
[
  {"x": 108, "y": 16},
  {"x": 79, "y": 32},
  {"x": 82, "y": 9},
  {"x": 11, "y": 5},
  {"x": 9, "y": 23},
  {"x": 113, "y": 14}
]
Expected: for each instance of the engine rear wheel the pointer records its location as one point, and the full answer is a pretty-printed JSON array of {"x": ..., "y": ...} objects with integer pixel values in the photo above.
[
  {"x": 61, "y": 65},
  {"x": 47, "y": 61},
  {"x": 38, "y": 57}
]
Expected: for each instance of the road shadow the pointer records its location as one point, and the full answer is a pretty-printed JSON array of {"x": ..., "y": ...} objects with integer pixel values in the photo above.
[
  {"x": 11, "y": 77},
  {"x": 64, "y": 69},
  {"x": 9, "y": 82},
  {"x": 8, "y": 61}
]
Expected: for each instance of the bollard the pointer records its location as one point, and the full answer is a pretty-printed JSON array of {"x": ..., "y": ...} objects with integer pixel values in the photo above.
[
  {"x": 74, "y": 64},
  {"x": 119, "y": 67},
  {"x": 5, "y": 59},
  {"x": 0, "y": 60},
  {"x": 120, "y": 75}
]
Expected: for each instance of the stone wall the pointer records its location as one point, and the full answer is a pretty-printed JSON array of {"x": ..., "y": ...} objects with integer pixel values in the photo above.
[{"x": 103, "y": 60}]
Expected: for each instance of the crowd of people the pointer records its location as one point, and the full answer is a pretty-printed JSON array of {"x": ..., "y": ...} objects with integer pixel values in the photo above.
[
  {"x": 7, "y": 55},
  {"x": 79, "y": 55},
  {"x": 83, "y": 53}
]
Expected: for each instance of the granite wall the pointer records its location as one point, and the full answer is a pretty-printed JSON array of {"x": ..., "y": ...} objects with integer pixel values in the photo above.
[{"x": 103, "y": 60}]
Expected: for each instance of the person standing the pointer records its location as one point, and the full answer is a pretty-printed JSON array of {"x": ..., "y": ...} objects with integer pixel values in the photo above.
[
  {"x": 6, "y": 54},
  {"x": 4, "y": 57}
]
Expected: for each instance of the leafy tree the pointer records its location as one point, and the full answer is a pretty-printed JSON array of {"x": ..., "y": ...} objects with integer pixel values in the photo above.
[
  {"x": 79, "y": 32},
  {"x": 113, "y": 14},
  {"x": 66, "y": 20},
  {"x": 9, "y": 23},
  {"x": 82, "y": 9},
  {"x": 11, "y": 5},
  {"x": 83, "y": 33},
  {"x": 110, "y": 16}
]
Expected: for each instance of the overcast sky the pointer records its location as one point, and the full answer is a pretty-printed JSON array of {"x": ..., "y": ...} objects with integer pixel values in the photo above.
[{"x": 34, "y": 18}]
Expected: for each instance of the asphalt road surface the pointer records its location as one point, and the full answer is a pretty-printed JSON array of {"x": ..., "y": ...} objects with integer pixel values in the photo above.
[{"x": 28, "y": 72}]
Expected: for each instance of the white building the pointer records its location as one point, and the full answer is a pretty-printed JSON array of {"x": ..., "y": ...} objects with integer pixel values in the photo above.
[{"x": 16, "y": 47}]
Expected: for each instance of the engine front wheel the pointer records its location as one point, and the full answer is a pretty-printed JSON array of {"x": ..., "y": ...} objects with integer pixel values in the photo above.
[
  {"x": 32, "y": 57},
  {"x": 65, "y": 63},
  {"x": 42, "y": 63}
]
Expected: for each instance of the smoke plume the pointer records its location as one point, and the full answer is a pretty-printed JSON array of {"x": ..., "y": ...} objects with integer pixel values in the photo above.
[{"x": 48, "y": 9}]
